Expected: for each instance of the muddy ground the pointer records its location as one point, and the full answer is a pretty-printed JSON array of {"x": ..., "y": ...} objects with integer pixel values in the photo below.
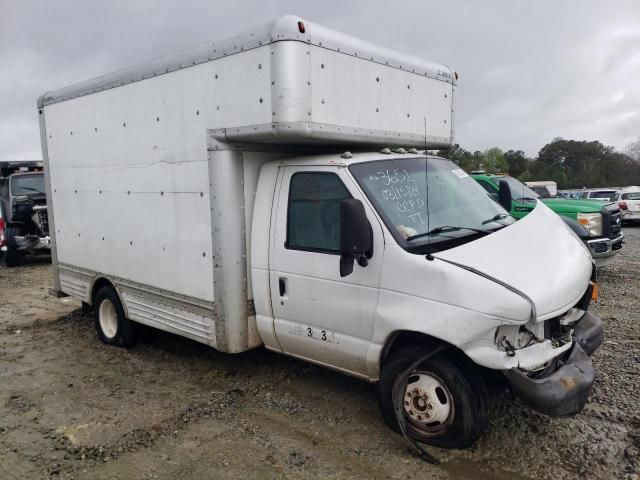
[{"x": 71, "y": 407}]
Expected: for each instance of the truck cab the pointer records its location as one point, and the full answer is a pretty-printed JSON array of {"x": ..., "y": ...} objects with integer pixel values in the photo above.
[
  {"x": 26, "y": 227},
  {"x": 602, "y": 221},
  {"x": 430, "y": 229}
]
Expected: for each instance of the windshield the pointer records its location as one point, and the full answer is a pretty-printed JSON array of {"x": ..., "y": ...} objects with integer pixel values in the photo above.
[
  {"x": 519, "y": 191},
  {"x": 27, "y": 184},
  {"x": 440, "y": 212},
  {"x": 604, "y": 194},
  {"x": 631, "y": 196}
]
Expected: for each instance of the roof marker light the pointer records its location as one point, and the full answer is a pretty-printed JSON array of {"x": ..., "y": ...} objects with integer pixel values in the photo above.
[{"x": 301, "y": 27}]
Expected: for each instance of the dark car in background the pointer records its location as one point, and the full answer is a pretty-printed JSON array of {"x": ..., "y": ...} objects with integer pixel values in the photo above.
[{"x": 25, "y": 223}]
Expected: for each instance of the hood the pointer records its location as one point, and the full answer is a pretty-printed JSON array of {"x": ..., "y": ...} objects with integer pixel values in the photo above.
[
  {"x": 539, "y": 256},
  {"x": 566, "y": 205}
]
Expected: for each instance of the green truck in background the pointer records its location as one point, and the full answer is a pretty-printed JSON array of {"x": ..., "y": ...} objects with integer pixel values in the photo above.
[{"x": 601, "y": 223}]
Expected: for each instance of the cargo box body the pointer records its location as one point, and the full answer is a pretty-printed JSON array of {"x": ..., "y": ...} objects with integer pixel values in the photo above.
[{"x": 152, "y": 171}]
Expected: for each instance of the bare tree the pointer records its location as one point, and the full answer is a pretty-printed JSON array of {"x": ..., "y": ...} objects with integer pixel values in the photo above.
[{"x": 633, "y": 150}]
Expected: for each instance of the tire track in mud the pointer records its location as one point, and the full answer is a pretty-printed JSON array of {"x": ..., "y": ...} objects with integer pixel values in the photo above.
[
  {"x": 230, "y": 407},
  {"x": 15, "y": 468},
  {"x": 75, "y": 316},
  {"x": 223, "y": 409}
]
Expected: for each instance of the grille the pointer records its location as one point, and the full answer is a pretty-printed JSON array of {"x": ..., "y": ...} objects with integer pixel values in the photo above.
[{"x": 611, "y": 221}]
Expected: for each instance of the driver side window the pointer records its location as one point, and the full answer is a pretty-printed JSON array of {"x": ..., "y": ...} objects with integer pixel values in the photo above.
[
  {"x": 490, "y": 190},
  {"x": 313, "y": 212}
]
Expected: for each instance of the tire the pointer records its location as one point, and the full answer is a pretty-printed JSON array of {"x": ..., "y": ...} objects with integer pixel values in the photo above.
[
  {"x": 86, "y": 308},
  {"x": 453, "y": 414},
  {"x": 13, "y": 257},
  {"x": 111, "y": 324}
]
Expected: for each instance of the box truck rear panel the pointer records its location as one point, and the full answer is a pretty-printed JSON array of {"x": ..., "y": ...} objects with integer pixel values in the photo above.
[{"x": 139, "y": 199}]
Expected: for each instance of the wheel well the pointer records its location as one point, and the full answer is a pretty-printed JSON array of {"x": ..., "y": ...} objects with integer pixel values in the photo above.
[
  {"x": 404, "y": 338},
  {"x": 97, "y": 285}
]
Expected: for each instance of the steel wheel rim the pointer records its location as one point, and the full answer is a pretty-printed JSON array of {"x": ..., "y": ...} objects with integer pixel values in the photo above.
[
  {"x": 108, "y": 318},
  {"x": 428, "y": 404}
]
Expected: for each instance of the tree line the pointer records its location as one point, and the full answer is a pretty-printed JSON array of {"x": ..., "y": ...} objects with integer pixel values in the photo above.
[{"x": 570, "y": 163}]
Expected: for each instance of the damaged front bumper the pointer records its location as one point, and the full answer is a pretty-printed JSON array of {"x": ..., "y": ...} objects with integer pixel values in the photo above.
[
  {"x": 588, "y": 332},
  {"x": 32, "y": 243},
  {"x": 565, "y": 390}
]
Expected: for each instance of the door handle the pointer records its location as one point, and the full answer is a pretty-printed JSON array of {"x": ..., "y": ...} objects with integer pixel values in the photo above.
[{"x": 282, "y": 286}]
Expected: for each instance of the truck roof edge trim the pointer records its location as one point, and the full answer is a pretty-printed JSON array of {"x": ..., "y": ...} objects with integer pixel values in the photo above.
[{"x": 282, "y": 29}]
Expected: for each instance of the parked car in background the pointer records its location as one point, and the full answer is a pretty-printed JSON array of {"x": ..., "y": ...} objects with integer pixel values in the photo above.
[
  {"x": 628, "y": 201},
  {"x": 604, "y": 195},
  {"x": 25, "y": 219},
  {"x": 602, "y": 222}
]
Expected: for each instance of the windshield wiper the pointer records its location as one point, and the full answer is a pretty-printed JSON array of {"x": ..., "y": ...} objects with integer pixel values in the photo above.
[
  {"x": 32, "y": 189},
  {"x": 446, "y": 228},
  {"x": 526, "y": 199},
  {"x": 495, "y": 218}
]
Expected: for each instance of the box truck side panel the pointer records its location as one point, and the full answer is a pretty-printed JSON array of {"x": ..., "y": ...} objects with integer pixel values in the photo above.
[
  {"x": 130, "y": 174},
  {"x": 150, "y": 189},
  {"x": 353, "y": 91},
  {"x": 283, "y": 84}
]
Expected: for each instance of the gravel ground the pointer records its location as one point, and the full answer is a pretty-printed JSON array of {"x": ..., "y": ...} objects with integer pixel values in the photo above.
[{"x": 170, "y": 408}]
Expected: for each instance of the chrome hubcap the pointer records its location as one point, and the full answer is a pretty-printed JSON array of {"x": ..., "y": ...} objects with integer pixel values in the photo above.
[{"x": 108, "y": 318}]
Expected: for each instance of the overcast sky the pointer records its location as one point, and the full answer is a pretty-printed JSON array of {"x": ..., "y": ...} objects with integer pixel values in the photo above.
[{"x": 529, "y": 71}]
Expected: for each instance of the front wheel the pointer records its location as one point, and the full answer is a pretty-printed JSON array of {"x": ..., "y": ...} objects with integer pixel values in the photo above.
[
  {"x": 113, "y": 327},
  {"x": 443, "y": 403},
  {"x": 13, "y": 257}
]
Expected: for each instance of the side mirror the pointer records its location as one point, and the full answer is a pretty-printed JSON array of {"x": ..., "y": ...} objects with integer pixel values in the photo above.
[
  {"x": 356, "y": 237},
  {"x": 504, "y": 195}
]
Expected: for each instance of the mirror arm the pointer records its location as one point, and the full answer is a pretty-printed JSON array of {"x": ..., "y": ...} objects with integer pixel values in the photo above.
[{"x": 346, "y": 265}]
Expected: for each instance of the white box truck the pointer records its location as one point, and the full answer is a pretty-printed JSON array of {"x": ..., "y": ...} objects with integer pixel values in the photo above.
[
  {"x": 210, "y": 194},
  {"x": 544, "y": 188}
]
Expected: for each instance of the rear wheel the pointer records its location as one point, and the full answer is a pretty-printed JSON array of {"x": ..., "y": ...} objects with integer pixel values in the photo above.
[
  {"x": 111, "y": 324},
  {"x": 444, "y": 404}
]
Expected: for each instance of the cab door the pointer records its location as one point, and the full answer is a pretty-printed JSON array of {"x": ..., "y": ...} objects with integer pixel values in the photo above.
[{"x": 319, "y": 315}]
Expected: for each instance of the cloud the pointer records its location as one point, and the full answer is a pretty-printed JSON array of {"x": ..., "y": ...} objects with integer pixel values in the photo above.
[{"x": 530, "y": 71}]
